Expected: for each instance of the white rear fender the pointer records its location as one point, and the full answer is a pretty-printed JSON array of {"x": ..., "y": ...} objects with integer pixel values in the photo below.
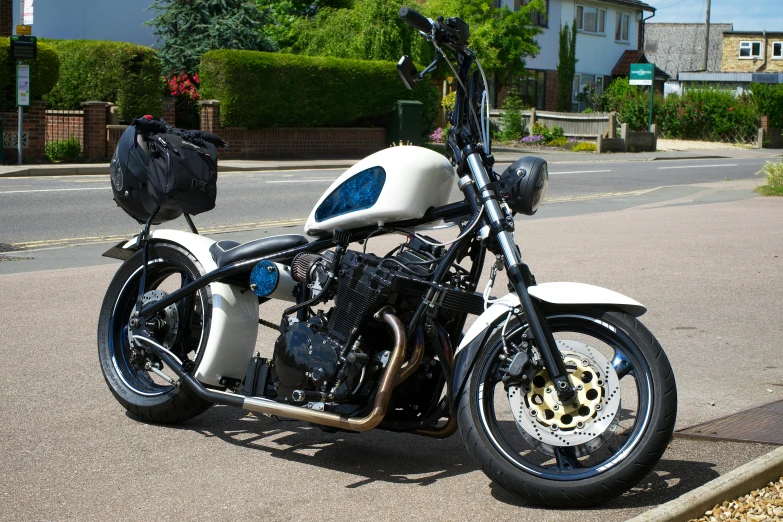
[
  {"x": 559, "y": 294},
  {"x": 234, "y": 328}
]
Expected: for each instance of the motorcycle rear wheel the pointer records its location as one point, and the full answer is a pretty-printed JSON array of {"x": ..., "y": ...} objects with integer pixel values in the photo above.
[
  {"x": 142, "y": 392},
  {"x": 512, "y": 454}
]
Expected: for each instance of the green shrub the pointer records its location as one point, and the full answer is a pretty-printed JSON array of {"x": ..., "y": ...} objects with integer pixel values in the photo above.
[
  {"x": 511, "y": 124},
  {"x": 710, "y": 114},
  {"x": 126, "y": 74},
  {"x": 584, "y": 146},
  {"x": 257, "y": 89},
  {"x": 774, "y": 173},
  {"x": 64, "y": 150},
  {"x": 559, "y": 142},
  {"x": 769, "y": 100},
  {"x": 549, "y": 135},
  {"x": 44, "y": 71},
  {"x": 631, "y": 104}
]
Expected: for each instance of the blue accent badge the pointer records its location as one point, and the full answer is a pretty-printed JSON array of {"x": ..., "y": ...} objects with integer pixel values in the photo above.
[
  {"x": 264, "y": 278},
  {"x": 359, "y": 192}
]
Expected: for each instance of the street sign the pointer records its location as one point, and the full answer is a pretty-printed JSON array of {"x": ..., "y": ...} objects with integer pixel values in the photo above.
[
  {"x": 642, "y": 74},
  {"x": 24, "y": 30},
  {"x": 28, "y": 12},
  {"x": 23, "y": 85},
  {"x": 24, "y": 47}
]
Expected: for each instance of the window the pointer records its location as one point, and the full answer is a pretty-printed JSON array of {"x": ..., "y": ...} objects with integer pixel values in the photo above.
[
  {"x": 532, "y": 89},
  {"x": 750, "y": 50},
  {"x": 583, "y": 81},
  {"x": 538, "y": 18},
  {"x": 591, "y": 19},
  {"x": 777, "y": 50},
  {"x": 623, "y": 27}
]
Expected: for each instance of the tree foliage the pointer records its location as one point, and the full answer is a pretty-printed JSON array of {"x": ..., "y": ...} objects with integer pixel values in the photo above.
[
  {"x": 566, "y": 68},
  {"x": 186, "y": 29},
  {"x": 501, "y": 38},
  {"x": 372, "y": 30},
  {"x": 283, "y": 17}
]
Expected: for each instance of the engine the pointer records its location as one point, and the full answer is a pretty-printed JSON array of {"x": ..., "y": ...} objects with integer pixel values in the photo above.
[{"x": 335, "y": 356}]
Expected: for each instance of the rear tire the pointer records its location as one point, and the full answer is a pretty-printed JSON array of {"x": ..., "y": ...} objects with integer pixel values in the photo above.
[
  {"x": 573, "y": 480},
  {"x": 142, "y": 393}
]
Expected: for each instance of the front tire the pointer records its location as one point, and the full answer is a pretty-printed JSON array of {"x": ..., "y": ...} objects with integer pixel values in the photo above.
[
  {"x": 142, "y": 392},
  {"x": 519, "y": 455}
]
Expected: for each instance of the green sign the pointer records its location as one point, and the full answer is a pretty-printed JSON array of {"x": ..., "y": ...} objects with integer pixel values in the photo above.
[{"x": 642, "y": 74}]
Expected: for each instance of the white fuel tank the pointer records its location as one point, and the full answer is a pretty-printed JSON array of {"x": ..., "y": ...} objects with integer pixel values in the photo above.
[{"x": 394, "y": 184}]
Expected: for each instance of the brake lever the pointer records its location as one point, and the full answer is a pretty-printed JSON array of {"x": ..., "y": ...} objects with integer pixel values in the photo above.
[{"x": 431, "y": 67}]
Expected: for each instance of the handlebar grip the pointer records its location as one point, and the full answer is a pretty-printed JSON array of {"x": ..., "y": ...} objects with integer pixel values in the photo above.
[{"x": 415, "y": 19}]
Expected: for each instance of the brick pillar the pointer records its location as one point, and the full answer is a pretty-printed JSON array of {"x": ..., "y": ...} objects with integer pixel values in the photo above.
[
  {"x": 169, "y": 110},
  {"x": 210, "y": 116},
  {"x": 94, "y": 141},
  {"x": 6, "y": 17},
  {"x": 551, "y": 90},
  {"x": 765, "y": 123},
  {"x": 35, "y": 127}
]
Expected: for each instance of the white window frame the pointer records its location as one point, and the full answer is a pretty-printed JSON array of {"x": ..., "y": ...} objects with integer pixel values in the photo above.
[
  {"x": 600, "y": 16},
  {"x": 619, "y": 29},
  {"x": 748, "y": 45},
  {"x": 598, "y": 80},
  {"x": 780, "y": 51}
]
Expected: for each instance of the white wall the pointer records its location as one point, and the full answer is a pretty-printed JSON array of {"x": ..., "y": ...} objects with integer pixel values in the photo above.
[
  {"x": 596, "y": 54},
  {"x": 118, "y": 20}
]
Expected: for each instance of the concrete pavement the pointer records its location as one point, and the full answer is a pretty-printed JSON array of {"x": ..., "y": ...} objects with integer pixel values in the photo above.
[{"x": 709, "y": 273}]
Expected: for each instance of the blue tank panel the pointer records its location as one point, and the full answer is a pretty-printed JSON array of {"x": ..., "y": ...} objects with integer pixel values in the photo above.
[
  {"x": 357, "y": 193},
  {"x": 264, "y": 278}
]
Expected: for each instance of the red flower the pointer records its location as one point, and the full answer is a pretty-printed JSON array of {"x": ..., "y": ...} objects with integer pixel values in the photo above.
[{"x": 731, "y": 109}]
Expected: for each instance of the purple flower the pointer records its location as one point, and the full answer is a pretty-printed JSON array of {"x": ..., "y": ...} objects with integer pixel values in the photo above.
[
  {"x": 437, "y": 136},
  {"x": 532, "y": 139}
]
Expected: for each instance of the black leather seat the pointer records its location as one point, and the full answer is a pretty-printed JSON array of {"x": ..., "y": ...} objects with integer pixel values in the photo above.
[{"x": 227, "y": 252}]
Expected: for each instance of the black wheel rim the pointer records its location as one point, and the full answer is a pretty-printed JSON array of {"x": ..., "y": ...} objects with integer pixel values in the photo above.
[
  {"x": 566, "y": 466},
  {"x": 158, "y": 270}
]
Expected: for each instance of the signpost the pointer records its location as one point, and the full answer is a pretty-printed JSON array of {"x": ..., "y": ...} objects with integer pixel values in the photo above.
[
  {"x": 24, "y": 30},
  {"x": 23, "y": 47},
  {"x": 644, "y": 74}
]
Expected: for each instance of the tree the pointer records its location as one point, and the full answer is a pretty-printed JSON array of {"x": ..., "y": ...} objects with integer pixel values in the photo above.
[
  {"x": 369, "y": 30},
  {"x": 566, "y": 68},
  {"x": 501, "y": 38},
  {"x": 186, "y": 29},
  {"x": 283, "y": 17}
]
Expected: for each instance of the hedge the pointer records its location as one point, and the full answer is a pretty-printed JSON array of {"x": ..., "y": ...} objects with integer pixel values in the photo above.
[
  {"x": 769, "y": 99},
  {"x": 126, "y": 74},
  {"x": 257, "y": 89},
  {"x": 44, "y": 71}
]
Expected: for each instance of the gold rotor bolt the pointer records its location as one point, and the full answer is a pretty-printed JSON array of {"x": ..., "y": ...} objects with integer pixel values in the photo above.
[
  {"x": 580, "y": 387},
  {"x": 597, "y": 407},
  {"x": 580, "y": 425},
  {"x": 548, "y": 390},
  {"x": 555, "y": 407},
  {"x": 585, "y": 363}
]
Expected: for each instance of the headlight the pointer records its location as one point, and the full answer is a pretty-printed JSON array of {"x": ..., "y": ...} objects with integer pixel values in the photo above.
[{"x": 524, "y": 184}]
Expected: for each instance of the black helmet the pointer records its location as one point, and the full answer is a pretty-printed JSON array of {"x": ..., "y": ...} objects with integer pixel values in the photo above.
[{"x": 129, "y": 172}]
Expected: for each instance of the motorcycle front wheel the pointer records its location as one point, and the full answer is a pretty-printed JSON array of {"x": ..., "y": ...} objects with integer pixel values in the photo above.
[
  {"x": 579, "y": 454},
  {"x": 184, "y": 329}
]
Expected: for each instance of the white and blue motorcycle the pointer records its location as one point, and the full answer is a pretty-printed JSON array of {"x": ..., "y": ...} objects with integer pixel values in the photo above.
[{"x": 561, "y": 395}]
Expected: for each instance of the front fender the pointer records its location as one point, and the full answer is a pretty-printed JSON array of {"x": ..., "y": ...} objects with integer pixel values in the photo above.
[{"x": 548, "y": 295}]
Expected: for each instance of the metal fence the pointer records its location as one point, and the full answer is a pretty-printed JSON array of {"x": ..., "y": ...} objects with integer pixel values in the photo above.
[
  {"x": 188, "y": 114},
  {"x": 64, "y": 126}
]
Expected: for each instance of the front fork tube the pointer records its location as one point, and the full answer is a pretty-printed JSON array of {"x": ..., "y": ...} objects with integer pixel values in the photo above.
[{"x": 520, "y": 279}]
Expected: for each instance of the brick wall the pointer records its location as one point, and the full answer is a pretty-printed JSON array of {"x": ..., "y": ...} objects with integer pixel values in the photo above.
[
  {"x": 113, "y": 135},
  {"x": 63, "y": 125},
  {"x": 733, "y": 63},
  {"x": 551, "y": 90},
  {"x": 35, "y": 127},
  {"x": 291, "y": 142},
  {"x": 94, "y": 143},
  {"x": 6, "y": 17}
]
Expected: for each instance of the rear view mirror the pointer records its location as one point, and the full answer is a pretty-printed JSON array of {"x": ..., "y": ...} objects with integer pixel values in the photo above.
[{"x": 408, "y": 73}]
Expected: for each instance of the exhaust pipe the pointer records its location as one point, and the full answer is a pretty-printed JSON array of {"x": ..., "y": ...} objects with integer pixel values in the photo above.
[{"x": 334, "y": 420}]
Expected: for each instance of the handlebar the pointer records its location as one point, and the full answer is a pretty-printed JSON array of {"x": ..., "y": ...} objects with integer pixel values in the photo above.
[{"x": 415, "y": 19}]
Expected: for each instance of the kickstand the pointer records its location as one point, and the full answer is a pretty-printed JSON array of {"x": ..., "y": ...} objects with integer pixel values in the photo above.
[
  {"x": 190, "y": 224},
  {"x": 143, "y": 241}
]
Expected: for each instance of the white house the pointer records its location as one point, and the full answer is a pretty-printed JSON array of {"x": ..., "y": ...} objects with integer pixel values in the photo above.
[{"x": 609, "y": 38}]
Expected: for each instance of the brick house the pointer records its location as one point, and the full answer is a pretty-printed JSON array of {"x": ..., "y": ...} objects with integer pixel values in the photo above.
[
  {"x": 607, "y": 29},
  {"x": 752, "y": 52},
  {"x": 6, "y": 18}
]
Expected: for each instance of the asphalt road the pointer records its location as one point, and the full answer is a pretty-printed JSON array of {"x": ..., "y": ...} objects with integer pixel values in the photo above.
[{"x": 705, "y": 258}]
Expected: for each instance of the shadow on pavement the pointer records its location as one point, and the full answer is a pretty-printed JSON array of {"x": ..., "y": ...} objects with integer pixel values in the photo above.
[{"x": 381, "y": 456}]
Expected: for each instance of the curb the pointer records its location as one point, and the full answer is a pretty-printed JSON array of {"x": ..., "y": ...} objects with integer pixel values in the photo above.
[
  {"x": 103, "y": 169},
  {"x": 753, "y": 475}
]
